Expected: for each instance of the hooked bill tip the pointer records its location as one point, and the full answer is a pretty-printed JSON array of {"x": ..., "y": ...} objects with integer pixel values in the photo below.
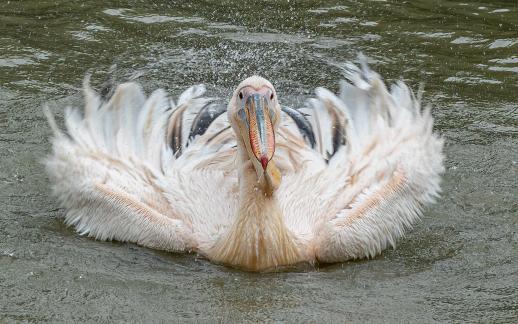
[{"x": 264, "y": 162}]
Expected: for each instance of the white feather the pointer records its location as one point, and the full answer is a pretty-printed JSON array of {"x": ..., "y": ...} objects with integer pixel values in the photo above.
[{"x": 117, "y": 177}]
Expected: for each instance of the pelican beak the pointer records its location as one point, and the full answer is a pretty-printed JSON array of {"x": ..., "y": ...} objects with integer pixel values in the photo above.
[
  {"x": 261, "y": 135},
  {"x": 260, "y": 132}
]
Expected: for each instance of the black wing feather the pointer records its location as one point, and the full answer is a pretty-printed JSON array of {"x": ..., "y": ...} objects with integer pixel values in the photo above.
[
  {"x": 204, "y": 119},
  {"x": 302, "y": 123}
]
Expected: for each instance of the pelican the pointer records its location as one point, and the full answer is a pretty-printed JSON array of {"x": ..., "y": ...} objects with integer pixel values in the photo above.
[{"x": 255, "y": 185}]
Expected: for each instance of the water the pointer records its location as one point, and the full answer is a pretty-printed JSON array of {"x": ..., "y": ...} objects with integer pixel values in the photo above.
[{"x": 460, "y": 263}]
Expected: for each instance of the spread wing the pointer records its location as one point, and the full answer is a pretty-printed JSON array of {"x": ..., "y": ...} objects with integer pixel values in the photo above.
[
  {"x": 383, "y": 166},
  {"x": 119, "y": 170},
  {"x": 357, "y": 168}
]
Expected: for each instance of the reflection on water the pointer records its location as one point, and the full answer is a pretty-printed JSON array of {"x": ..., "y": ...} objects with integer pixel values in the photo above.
[{"x": 459, "y": 264}]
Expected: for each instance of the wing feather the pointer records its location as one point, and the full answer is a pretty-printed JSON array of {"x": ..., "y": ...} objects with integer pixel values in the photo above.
[
  {"x": 391, "y": 174},
  {"x": 113, "y": 170},
  {"x": 384, "y": 169}
]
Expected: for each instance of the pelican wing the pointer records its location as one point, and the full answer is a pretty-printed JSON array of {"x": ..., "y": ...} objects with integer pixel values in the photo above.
[
  {"x": 383, "y": 165},
  {"x": 117, "y": 170}
]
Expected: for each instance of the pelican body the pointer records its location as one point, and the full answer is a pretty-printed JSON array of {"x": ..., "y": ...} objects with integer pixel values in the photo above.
[{"x": 253, "y": 185}]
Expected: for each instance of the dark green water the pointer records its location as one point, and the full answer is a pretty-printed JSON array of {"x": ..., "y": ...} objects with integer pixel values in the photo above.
[{"x": 459, "y": 264}]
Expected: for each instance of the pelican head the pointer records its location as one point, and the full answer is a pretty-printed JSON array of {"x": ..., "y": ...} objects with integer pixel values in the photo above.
[{"x": 255, "y": 113}]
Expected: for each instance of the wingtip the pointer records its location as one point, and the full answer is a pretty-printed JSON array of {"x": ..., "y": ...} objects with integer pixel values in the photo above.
[
  {"x": 52, "y": 121},
  {"x": 86, "y": 81}
]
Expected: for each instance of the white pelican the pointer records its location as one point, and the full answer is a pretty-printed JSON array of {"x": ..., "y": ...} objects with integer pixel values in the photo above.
[{"x": 259, "y": 187}]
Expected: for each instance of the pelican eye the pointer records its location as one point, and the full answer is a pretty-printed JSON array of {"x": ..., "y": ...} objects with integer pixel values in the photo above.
[
  {"x": 241, "y": 95},
  {"x": 271, "y": 96}
]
